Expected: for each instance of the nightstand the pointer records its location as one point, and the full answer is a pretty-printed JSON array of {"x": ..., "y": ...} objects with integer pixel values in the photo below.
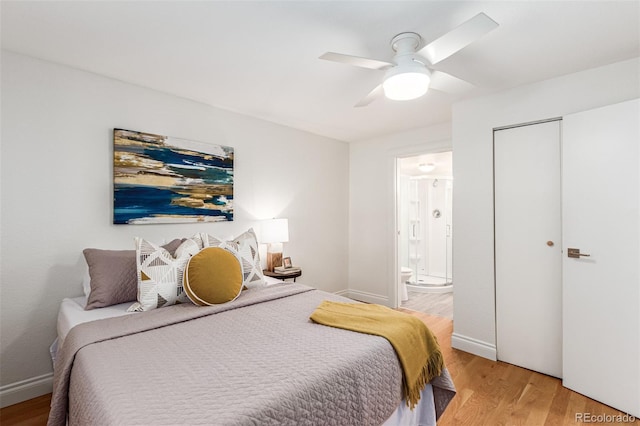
[{"x": 283, "y": 276}]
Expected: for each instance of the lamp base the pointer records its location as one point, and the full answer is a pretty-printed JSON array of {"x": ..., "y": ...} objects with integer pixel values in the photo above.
[{"x": 273, "y": 259}]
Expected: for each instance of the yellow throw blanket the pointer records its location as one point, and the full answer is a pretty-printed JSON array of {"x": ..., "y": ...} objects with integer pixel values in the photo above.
[{"x": 415, "y": 345}]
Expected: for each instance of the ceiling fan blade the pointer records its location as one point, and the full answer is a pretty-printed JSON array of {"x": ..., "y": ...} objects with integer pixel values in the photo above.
[
  {"x": 458, "y": 38},
  {"x": 372, "y": 96},
  {"x": 357, "y": 61},
  {"x": 448, "y": 83}
]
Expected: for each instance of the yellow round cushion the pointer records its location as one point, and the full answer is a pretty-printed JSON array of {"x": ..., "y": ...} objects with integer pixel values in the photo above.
[{"x": 213, "y": 276}]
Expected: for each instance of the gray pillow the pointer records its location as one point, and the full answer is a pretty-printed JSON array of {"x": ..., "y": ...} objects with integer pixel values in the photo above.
[{"x": 113, "y": 275}]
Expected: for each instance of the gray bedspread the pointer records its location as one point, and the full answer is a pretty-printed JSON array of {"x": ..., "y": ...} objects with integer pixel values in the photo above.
[{"x": 258, "y": 360}]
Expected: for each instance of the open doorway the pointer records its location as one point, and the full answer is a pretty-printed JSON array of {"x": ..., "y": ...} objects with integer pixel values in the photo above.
[{"x": 424, "y": 220}]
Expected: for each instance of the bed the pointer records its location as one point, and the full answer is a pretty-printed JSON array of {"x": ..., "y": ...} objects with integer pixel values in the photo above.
[{"x": 255, "y": 360}]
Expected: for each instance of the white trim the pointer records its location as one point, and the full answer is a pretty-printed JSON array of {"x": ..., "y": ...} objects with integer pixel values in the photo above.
[
  {"x": 344, "y": 292},
  {"x": 528, "y": 123},
  {"x": 364, "y": 296},
  {"x": 394, "y": 274},
  {"x": 432, "y": 147},
  {"x": 474, "y": 346},
  {"x": 24, "y": 390}
]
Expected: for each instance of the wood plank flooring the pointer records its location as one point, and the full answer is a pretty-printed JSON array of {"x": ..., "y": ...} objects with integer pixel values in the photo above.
[
  {"x": 440, "y": 304},
  {"x": 489, "y": 393},
  {"x": 497, "y": 393},
  {"x": 33, "y": 412}
]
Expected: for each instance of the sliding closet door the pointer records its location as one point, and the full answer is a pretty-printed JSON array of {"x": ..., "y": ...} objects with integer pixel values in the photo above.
[
  {"x": 528, "y": 257},
  {"x": 601, "y": 300}
]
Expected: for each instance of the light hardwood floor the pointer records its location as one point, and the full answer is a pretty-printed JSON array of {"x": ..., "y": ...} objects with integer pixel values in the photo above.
[
  {"x": 497, "y": 393},
  {"x": 439, "y": 304},
  {"x": 488, "y": 392}
]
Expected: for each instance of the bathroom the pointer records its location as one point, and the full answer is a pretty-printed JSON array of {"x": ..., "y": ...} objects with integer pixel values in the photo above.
[{"x": 425, "y": 189}]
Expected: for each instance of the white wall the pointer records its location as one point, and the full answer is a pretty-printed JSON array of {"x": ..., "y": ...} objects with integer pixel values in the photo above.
[
  {"x": 56, "y": 194},
  {"x": 473, "y": 123},
  {"x": 372, "y": 262}
]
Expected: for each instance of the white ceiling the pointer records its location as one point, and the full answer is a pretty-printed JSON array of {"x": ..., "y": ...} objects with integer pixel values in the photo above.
[{"x": 261, "y": 58}]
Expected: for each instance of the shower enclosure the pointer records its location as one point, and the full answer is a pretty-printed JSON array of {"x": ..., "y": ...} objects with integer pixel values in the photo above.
[{"x": 426, "y": 216}]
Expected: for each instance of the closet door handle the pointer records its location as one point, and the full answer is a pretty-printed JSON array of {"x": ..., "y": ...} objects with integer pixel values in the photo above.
[{"x": 575, "y": 253}]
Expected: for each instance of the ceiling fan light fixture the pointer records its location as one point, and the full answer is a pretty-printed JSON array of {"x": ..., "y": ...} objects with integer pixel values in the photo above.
[{"x": 406, "y": 83}]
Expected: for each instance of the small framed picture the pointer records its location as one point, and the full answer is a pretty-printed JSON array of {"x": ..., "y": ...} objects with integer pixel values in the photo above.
[{"x": 286, "y": 262}]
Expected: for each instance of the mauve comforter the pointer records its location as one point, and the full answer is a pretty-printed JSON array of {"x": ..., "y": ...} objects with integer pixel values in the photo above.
[{"x": 258, "y": 360}]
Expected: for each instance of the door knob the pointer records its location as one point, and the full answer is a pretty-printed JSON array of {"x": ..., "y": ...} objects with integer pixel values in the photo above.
[
  {"x": 575, "y": 253},
  {"x": 550, "y": 243}
]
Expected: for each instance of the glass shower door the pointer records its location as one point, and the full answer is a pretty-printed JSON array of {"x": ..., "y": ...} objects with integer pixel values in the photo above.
[{"x": 414, "y": 230}]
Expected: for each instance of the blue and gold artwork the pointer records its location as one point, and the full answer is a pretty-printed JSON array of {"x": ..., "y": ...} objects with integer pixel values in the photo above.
[{"x": 161, "y": 179}]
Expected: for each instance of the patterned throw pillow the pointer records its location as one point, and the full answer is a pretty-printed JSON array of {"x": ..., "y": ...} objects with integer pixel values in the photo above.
[
  {"x": 246, "y": 245},
  {"x": 111, "y": 275},
  {"x": 213, "y": 276},
  {"x": 160, "y": 274}
]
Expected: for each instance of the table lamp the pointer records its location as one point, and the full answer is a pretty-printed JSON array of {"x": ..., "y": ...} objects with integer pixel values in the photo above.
[{"x": 274, "y": 233}]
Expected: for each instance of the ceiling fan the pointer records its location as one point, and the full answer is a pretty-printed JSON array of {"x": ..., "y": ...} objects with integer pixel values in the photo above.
[{"x": 409, "y": 74}]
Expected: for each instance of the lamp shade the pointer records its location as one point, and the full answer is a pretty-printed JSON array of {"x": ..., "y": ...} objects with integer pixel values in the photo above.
[{"x": 275, "y": 231}]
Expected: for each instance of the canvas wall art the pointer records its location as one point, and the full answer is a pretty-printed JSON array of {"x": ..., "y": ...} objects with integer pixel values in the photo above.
[{"x": 162, "y": 179}]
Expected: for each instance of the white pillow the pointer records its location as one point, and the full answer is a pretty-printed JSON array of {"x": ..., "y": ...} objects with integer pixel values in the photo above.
[
  {"x": 160, "y": 274},
  {"x": 246, "y": 245}
]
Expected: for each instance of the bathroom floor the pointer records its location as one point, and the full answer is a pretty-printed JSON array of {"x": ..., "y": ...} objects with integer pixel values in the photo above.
[{"x": 430, "y": 303}]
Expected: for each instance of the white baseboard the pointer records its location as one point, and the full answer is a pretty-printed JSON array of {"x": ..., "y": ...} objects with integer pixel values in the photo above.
[
  {"x": 474, "y": 346},
  {"x": 363, "y": 296},
  {"x": 344, "y": 292},
  {"x": 24, "y": 390}
]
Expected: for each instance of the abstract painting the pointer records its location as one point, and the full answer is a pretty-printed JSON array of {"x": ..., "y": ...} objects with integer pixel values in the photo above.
[{"x": 162, "y": 179}]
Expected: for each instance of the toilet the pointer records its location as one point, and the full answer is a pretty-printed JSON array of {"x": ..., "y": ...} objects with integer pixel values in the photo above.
[{"x": 405, "y": 276}]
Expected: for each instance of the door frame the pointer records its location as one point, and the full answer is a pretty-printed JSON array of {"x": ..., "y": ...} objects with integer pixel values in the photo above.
[{"x": 394, "y": 157}]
